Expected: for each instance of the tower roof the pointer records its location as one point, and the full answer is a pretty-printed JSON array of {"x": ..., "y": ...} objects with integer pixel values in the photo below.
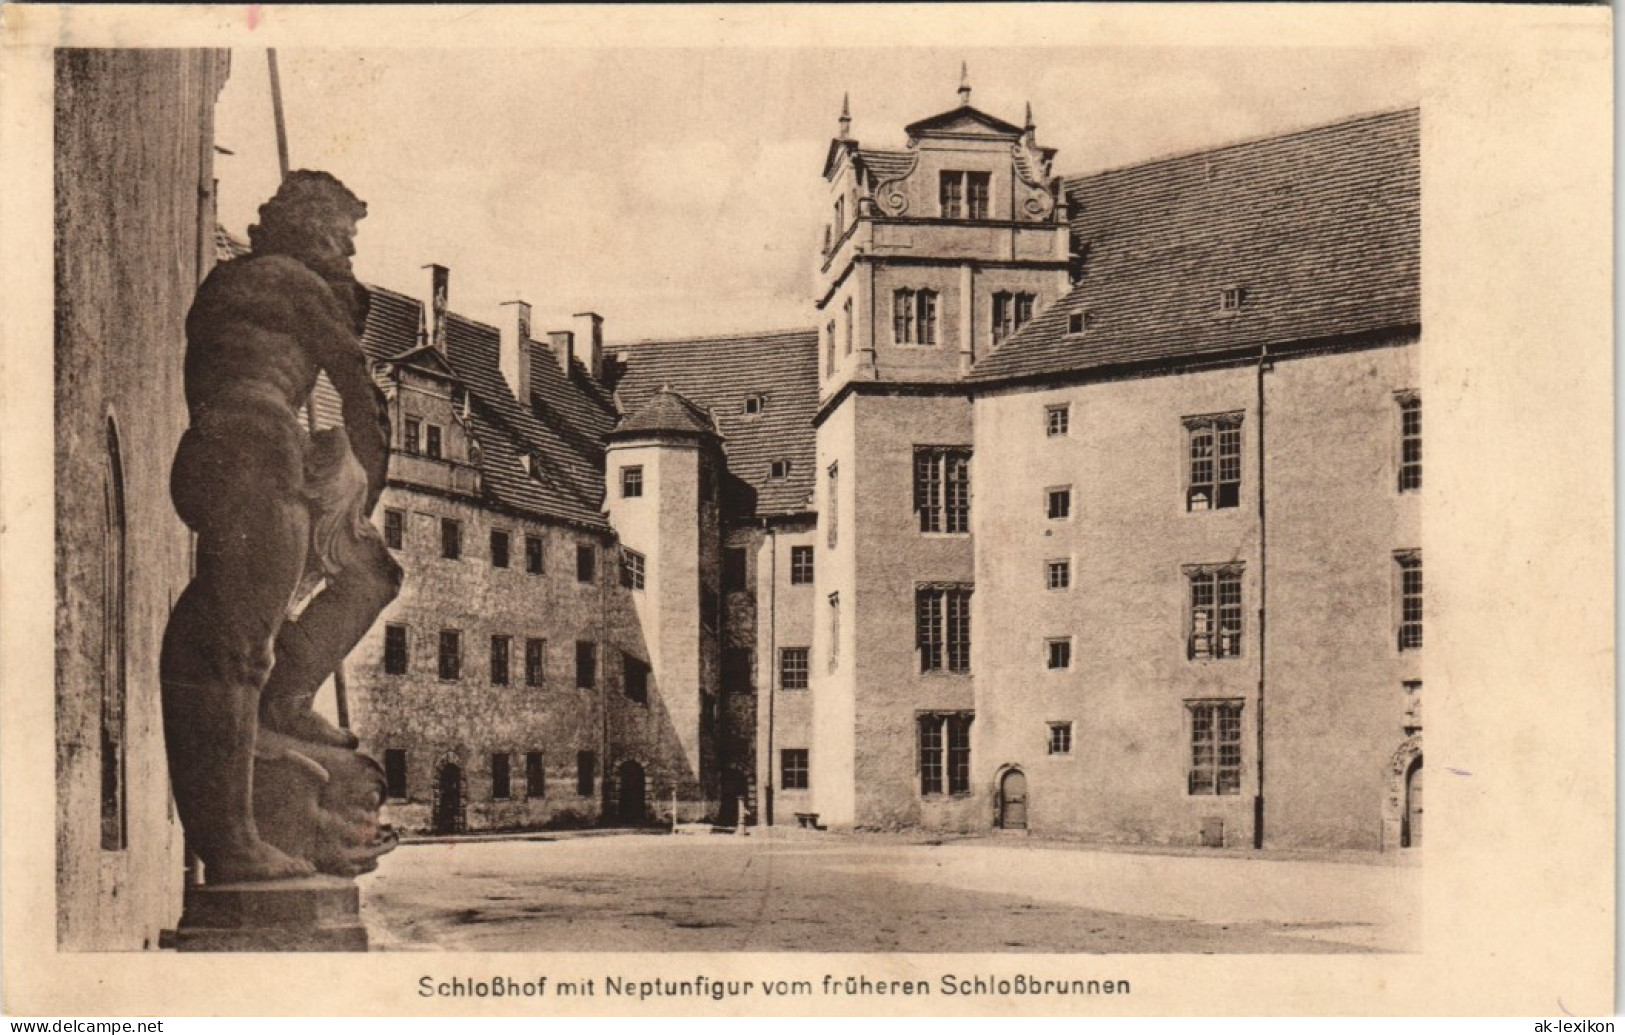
[{"x": 666, "y": 413}]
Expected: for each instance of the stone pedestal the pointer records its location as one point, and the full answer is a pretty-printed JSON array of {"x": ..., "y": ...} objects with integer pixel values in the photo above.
[{"x": 307, "y": 914}]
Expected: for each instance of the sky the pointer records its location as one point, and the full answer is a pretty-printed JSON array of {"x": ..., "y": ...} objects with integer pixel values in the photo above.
[{"x": 678, "y": 192}]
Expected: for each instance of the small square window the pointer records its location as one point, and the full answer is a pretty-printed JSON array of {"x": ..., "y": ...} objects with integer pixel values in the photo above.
[
  {"x": 1057, "y": 420},
  {"x": 499, "y": 548},
  {"x": 1078, "y": 323},
  {"x": 1059, "y": 652},
  {"x": 780, "y": 469},
  {"x": 394, "y": 529},
  {"x": 795, "y": 773},
  {"x": 586, "y": 563},
  {"x": 1059, "y": 503},
  {"x": 451, "y": 538},
  {"x": 794, "y": 667},
  {"x": 755, "y": 404},
  {"x": 631, "y": 482},
  {"x": 1060, "y": 738},
  {"x": 632, "y": 569},
  {"x": 801, "y": 565},
  {"x": 1231, "y": 299},
  {"x": 1058, "y": 574}
]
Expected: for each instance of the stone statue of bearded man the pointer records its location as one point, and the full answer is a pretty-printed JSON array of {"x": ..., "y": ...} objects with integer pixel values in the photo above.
[{"x": 276, "y": 510}]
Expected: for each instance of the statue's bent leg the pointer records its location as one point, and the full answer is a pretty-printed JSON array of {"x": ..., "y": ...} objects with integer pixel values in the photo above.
[
  {"x": 217, "y": 655},
  {"x": 310, "y": 648}
]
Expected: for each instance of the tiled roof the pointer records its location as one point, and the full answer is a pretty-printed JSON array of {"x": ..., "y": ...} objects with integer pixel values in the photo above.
[
  {"x": 545, "y": 458},
  {"x": 719, "y": 374},
  {"x": 1318, "y": 228},
  {"x": 667, "y": 412}
]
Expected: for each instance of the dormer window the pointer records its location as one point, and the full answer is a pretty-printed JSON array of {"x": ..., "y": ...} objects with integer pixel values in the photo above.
[
  {"x": 964, "y": 195},
  {"x": 779, "y": 470},
  {"x": 1231, "y": 299},
  {"x": 1078, "y": 323},
  {"x": 755, "y": 404}
]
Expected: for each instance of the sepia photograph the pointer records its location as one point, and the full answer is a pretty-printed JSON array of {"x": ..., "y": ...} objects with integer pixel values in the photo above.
[{"x": 958, "y": 500}]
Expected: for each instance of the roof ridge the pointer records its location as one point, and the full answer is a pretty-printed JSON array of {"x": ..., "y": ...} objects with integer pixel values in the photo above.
[
  {"x": 709, "y": 338},
  {"x": 1068, "y": 180}
]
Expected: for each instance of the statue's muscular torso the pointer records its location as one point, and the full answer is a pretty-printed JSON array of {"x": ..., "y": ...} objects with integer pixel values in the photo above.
[
  {"x": 259, "y": 332},
  {"x": 262, "y": 328}
]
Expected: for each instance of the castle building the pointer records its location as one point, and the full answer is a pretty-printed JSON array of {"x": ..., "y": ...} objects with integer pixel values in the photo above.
[{"x": 1087, "y": 506}]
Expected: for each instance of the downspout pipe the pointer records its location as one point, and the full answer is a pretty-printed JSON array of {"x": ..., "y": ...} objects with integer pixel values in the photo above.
[
  {"x": 772, "y": 665},
  {"x": 1263, "y": 598}
]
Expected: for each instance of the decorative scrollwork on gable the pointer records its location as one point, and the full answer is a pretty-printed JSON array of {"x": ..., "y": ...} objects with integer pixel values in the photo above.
[
  {"x": 1039, "y": 203},
  {"x": 888, "y": 193}
]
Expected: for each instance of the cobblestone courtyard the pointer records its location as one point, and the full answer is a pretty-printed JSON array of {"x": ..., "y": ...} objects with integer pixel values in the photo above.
[{"x": 832, "y": 893}]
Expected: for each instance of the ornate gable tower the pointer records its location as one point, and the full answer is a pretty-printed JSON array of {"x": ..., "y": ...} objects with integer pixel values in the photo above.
[{"x": 933, "y": 255}]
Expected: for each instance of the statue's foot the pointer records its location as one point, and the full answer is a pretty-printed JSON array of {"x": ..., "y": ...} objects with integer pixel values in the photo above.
[
  {"x": 259, "y": 861},
  {"x": 300, "y": 723}
]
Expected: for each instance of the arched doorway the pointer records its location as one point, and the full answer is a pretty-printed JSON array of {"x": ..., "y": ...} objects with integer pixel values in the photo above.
[
  {"x": 1013, "y": 800},
  {"x": 633, "y": 806},
  {"x": 733, "y": 791},
  {"x": 448, "y": 798},
  {"x": 1404, "y": 766},
  {"x": 1410, "y": 832}
]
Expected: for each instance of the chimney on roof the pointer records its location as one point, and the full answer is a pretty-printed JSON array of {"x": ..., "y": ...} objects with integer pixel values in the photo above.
[
  {"x": 514, "y": 358},
  {"x": 588, "y": 346},
  {"x": 562, "y": 343},
  {"x": 964, "y": 85},
  {"x": 439, "y": 290},
  {"x": 846, "y": 115}
]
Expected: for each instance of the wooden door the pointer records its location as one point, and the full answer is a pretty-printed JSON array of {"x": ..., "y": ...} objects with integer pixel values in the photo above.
[
  {"x": 632, "y": 804},
  {"x": 1411, "y": 836},
  {"x": 448, "y": 799},
  {"x": 1013, "y": 800}
]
